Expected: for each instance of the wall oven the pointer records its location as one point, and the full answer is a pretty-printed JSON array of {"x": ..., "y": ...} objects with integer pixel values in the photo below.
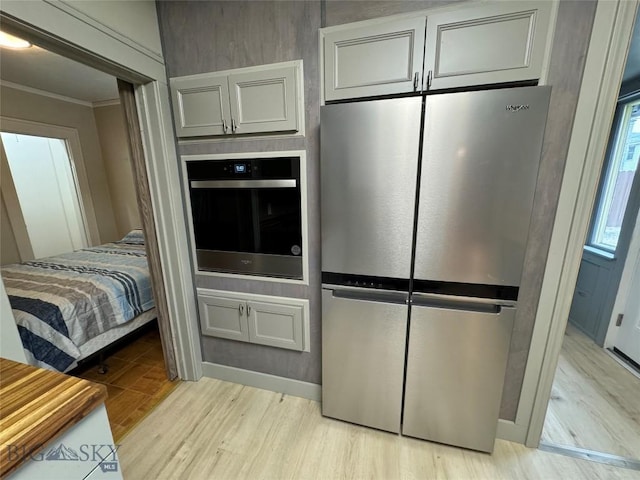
[{"x": 246, "y": 215}]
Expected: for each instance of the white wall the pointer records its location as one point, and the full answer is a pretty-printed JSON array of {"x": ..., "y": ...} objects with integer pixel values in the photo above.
[{"x": 134, "y": 19}]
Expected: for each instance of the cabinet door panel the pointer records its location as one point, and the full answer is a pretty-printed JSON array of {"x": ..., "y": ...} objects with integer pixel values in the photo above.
[
  {"x": 200, "y": 105},
  {"x": 264, "y": 101},
  {"x": 374, "y": 60},
  {"x": 489, "y": 44},
  {"x": 276, "y": 325},
  {"x": 223, "y": 317}
]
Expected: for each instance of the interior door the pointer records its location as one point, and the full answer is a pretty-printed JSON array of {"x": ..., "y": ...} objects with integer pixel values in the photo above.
[{"x": 628, "y": 339}]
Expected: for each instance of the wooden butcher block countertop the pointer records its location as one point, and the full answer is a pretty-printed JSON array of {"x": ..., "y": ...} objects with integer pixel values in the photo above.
[{"x": 37, "y": 405}]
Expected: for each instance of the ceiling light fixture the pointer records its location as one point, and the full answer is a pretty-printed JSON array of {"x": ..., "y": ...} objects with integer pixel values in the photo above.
[{"x": 11, "y": 41}]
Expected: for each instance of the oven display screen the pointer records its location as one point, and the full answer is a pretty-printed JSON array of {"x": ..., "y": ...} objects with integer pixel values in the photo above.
[{"x": 239, "y": 168}]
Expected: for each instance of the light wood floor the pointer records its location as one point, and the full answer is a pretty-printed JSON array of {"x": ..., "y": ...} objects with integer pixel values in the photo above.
[
  {"x": 214, "y": 429},
  {"x": 595, "y": 402}
]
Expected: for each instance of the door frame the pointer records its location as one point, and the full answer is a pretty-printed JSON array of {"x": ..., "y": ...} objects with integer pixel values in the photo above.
[
  {"x": 74, "y": 149},
  {"x": 60, "y": 28},
  {"x": 611, "y": 34}
]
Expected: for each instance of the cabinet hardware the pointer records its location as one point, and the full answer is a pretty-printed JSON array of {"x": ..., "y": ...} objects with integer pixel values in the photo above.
[
  {"x": 619, "y": 319},
  {"x": 248, "y": 310},
  {"x": 225, "y": 127},
  {"x": 241, "y": 308},
  {"x": 234, "y": 125},
  {"x": 429, "y": 78},
  {"x": 416, "y": 77}
]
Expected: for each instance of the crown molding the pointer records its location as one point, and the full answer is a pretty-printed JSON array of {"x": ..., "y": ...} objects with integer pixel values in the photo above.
[
  {"x": 106, "y": 103},
  {"x": 43, "y": 93}
]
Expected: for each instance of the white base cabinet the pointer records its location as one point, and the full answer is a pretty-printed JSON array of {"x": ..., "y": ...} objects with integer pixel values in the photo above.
[{"x": 274, "y": 321}]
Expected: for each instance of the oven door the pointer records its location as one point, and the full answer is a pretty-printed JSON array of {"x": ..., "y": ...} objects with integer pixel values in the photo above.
[{"x": 248, "y": 226}]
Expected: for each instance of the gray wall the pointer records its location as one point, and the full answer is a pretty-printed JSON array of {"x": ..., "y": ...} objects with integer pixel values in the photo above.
[{"x": 208, "y": 36}]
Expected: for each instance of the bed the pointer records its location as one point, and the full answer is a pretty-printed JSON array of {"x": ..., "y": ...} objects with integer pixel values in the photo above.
[{"x": 68, "y": 307}]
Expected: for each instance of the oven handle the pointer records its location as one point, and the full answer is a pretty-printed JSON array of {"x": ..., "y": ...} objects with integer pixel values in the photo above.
[{"x": 275, "y": 183}]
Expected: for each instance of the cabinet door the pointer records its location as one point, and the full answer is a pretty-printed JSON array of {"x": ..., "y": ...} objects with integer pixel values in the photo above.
[
  {"x": 223, "y": 317},
  {"x": 264, "y": 101},
  {"x": 374, "y": 60},
  {"x": 201, "y": 105},
  {"x": 276, "y": 325},
  {"x": 503, "y": 42}
]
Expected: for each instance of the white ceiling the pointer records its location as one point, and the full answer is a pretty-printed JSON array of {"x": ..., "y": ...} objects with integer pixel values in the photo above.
[{"x": 40, "y": 69}]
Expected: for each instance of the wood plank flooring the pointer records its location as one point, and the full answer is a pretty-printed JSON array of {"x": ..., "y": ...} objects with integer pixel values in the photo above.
[
  {"x": 136, "y": 381},
  {"x": 216, "y": 429},
  {"x": 595, "y": 402}
]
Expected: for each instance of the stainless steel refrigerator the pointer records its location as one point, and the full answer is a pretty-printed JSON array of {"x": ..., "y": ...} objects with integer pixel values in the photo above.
[{"x": 426, "y": 205}]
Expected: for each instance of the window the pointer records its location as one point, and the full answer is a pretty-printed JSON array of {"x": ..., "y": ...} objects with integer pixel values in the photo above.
[{"x": 616, "y": 186}]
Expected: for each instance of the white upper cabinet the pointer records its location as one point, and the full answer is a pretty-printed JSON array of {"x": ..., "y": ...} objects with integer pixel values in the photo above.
[
  {"x": 492, "y": 43},
  {"x": 201, "y": 105},
  {"x": 263, "y": 99},
  {"x": 468, "y": 44},
  {"x": 380, "y": 59}
]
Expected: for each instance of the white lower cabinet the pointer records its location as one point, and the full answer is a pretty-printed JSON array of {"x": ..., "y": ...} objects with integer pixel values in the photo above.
[{"x": 274, "y": 321}]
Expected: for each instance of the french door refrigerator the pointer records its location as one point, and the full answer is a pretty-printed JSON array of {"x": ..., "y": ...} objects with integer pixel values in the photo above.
[{"x": 426, "y": 203}]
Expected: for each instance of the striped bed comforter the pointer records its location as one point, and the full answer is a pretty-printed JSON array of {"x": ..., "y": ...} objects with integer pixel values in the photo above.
[{"x": 61, "y": 302}]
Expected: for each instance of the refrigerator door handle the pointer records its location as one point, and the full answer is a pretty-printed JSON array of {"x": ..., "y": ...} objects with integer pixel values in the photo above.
[
  {"x": 369, "y": 295},
  {"x": 469, "y": 304}
]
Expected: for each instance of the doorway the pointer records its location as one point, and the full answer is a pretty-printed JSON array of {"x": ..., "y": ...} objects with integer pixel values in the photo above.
[
  {"x": 47, "y": 193},
  {"x": 593, "y": 410}
]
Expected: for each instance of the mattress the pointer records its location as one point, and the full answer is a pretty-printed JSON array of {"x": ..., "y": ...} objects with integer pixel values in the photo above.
[{"x": 60, "y": 303}]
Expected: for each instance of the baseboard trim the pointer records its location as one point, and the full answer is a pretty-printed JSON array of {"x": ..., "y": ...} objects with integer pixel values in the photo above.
[
  {"x": 265, "y": 381},
  {"x": 510, "y": 431}
]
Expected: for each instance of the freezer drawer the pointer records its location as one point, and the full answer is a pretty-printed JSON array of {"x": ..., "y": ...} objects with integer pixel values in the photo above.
[
  {"x": 363, "y": 346},
  {"x": 455, "y": 372}
]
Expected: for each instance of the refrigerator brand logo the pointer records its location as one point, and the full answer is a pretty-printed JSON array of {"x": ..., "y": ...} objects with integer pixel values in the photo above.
[
  {"x": 517, "y": 108},
  {"x": 246, "y": 262}
]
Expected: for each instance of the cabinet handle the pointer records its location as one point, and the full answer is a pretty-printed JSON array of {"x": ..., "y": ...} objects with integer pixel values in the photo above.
[
  {"x": 241, "y": 308},
  {"x": 416, "y": 77},
  {"x": 234, "y": 125},
  {"x": 225, "y": 127},
  {"x": 248, "y": 310},
  {"x": 429, "y": 78}
]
